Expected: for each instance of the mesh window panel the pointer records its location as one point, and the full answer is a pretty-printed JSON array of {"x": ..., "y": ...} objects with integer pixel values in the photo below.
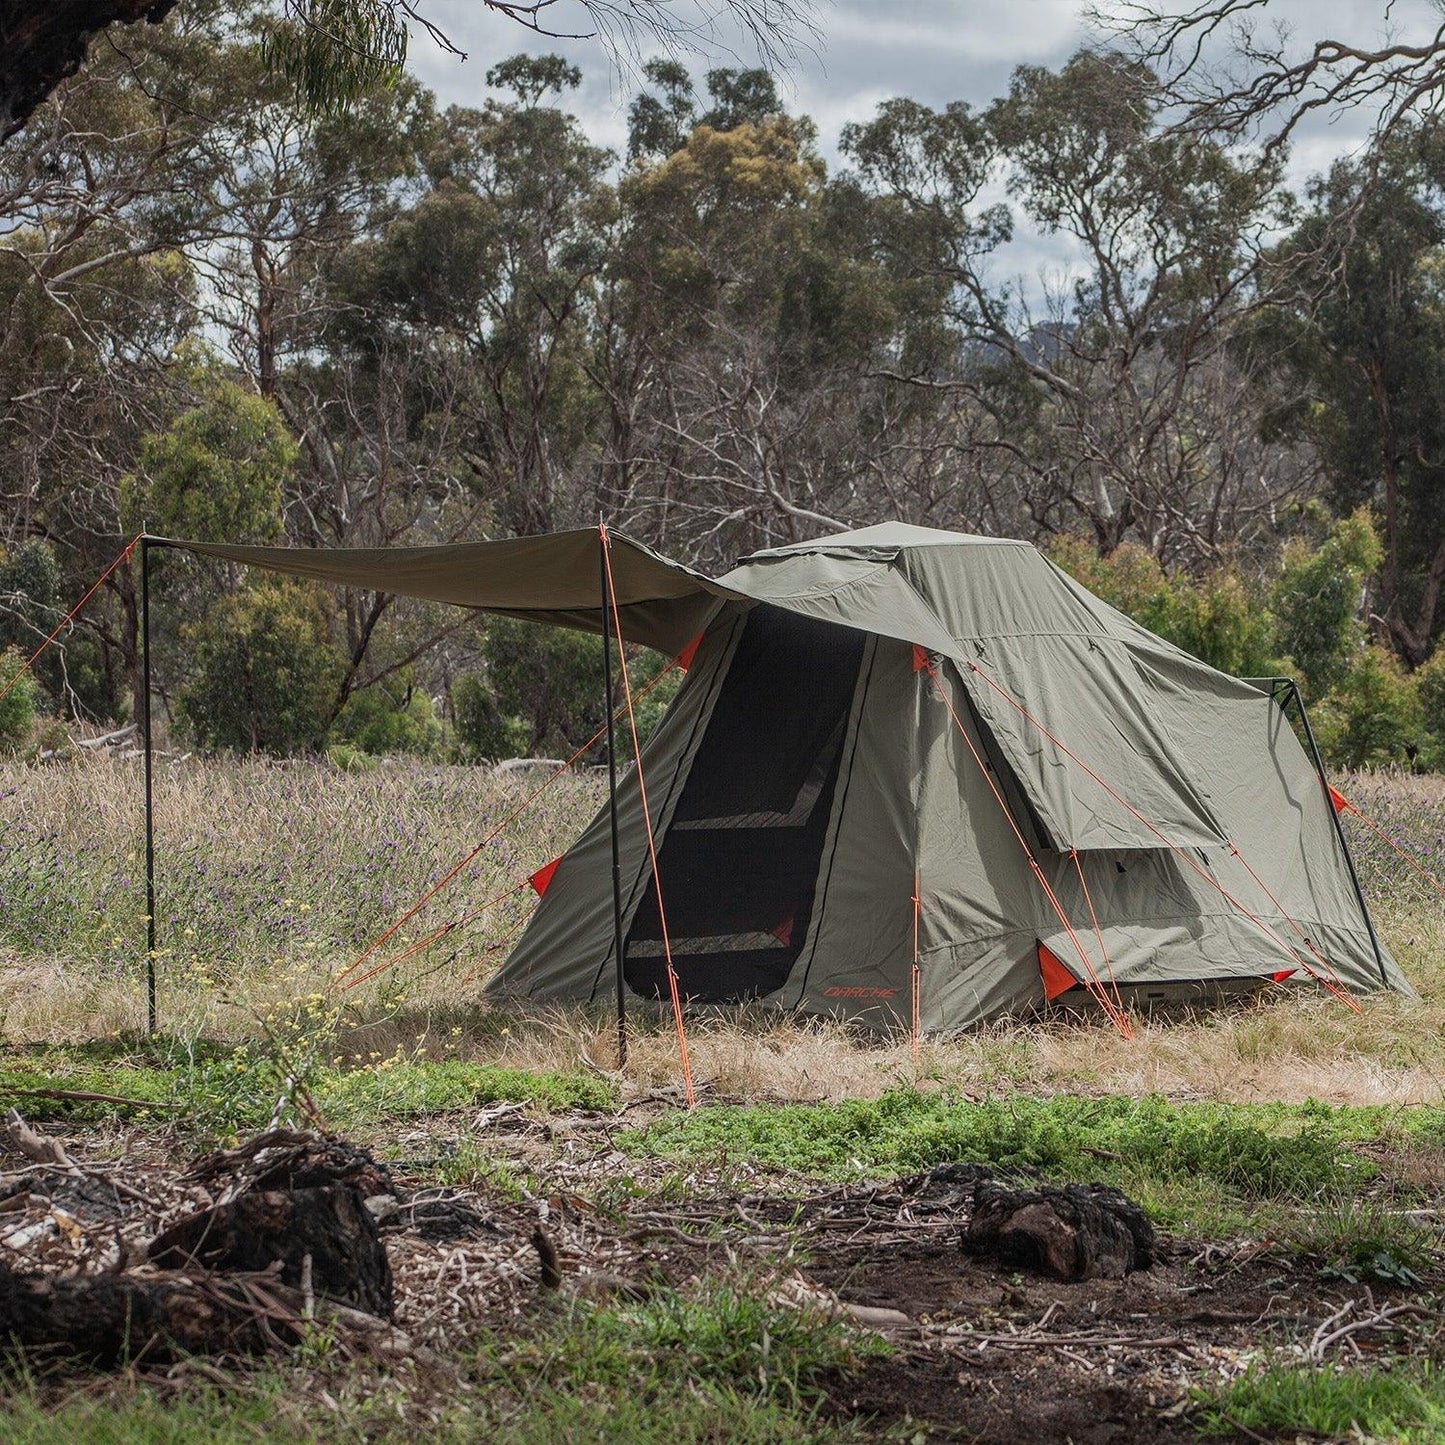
[{"x": 740, "y": 859}]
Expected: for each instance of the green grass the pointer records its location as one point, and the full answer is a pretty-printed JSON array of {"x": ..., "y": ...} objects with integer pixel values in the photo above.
[
  {"x": 1267, "y": 1151},
  {"x": 209, "y": 1089},
  {"x": 142, "y": 1417},
  {"x": 1205, "y": 1166},
  {"x": 1405, "y": 1405},
  {"x": 723, "y": 1338},
  {"x": 1363, "y": 1241},
  {"x": 718, "y": 1364}
]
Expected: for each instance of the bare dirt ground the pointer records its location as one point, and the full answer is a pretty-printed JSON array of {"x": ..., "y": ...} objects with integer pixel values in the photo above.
[{"x": 980, "y": 1352}]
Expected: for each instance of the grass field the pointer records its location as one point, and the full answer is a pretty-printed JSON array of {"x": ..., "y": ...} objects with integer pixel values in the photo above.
[{"x": 1293, "y": 1151}]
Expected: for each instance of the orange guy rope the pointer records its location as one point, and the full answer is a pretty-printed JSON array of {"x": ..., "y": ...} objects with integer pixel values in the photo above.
[
  {"x": 1098, "y": 932},
  {"x": 437, "y": 933},
  {"x": 647, "y": 819},
  {"x": 1214, "y": 883},
  {"x": 1304, "y": 937},
  {"x": 1345, "y": 805},
  {"x": 509, "y": 819},
  {"x": 70, "y": 616}
]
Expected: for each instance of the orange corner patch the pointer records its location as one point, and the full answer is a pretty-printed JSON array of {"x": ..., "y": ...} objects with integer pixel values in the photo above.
[
  {"x": 685, "y": 657},
  {"x": 543, "y": 876},
  {"x": 1056, "y": 976}
]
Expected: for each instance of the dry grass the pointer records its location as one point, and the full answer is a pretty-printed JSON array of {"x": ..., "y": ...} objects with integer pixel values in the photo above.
[{"x": 274, "y": 877}]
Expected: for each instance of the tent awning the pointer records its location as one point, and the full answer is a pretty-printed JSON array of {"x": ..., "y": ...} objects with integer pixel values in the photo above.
[{"x": 554, "y": 578}]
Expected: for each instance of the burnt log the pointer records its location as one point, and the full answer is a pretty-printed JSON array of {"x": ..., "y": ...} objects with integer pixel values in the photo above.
[
  {"x": 1073, "y": 1232},
  {"x": 112, "y": 1319},
  {"x": 323, "y": 1240}
]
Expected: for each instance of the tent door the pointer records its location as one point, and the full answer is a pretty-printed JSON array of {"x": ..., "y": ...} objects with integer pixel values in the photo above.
[{"x": 741, "y": 857}]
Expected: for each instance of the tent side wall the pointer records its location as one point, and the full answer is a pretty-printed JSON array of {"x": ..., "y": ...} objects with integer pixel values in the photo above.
[{"x": 858, "y": 961}]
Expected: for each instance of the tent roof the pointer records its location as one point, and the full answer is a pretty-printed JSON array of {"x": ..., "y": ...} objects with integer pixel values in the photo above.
[
  {"x": 888, "y": 539},
  {"x": 1039, "y": 656},
  {"x": 845, "y": 579}
]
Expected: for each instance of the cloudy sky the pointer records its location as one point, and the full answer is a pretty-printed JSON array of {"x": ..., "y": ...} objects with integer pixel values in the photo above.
[{"x": 867, "y": 50}]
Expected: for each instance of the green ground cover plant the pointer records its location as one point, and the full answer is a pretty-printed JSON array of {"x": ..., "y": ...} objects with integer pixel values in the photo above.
[
  {"x": 1403, "y": 1404},
  {"x": 1263, "y": 1151},
  {"x": 1209, "y": 1167},
  {"x": 218, "y": 1090}
]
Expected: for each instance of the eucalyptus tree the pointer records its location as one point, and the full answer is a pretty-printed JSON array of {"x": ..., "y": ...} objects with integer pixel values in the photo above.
[
  {"x": 333, "y": 52},
  {"x": 492, "y": 272},
  {"x": 1368, "y": 353},
  {"x": 1105, "y": 389}
]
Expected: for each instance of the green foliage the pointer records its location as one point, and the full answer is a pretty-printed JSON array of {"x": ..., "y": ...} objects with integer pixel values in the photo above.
[
  {"x": 723, "y": 1340},
  {"x": 17, "y": 706},
  {"x": 266, "y": 672},
  {"x": 214, "y": 1090},
  {"x": 1270, "y": 1152},
  {"x": 483, "y": 731},
  {"x": 336, "y": 51},
  {"x": 718, "y": 1363},
  {"x": 530, "y": 77},
  {"x": 1405, "y": 1404},
  {"x": 217, "y": 474},
  {"x": 1374, "y": 718},
  {"x": 400, "y": 1089},
  {"x": 1316, "y": 601},
  {"x": 549, "y": 679},
  {"x": 389, "y": 717},
  {"x": 1218, "y": 616},
  {"x": 1370, "y": 351},
  {"x": 1363, "y": 1239},
  {"x": 542, "y": 692}
]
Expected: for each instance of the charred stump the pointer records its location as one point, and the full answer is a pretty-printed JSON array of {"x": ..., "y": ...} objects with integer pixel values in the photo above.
[
  {"x": 1076, "y": 1232},
  {"x": 323, "y": 1239}
]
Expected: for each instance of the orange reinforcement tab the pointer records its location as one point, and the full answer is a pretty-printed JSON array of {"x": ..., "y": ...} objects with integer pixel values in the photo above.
[
  {"x": 920, "y": 658},
  {"x": 543, "y": 876},
  {"x": 1341, "y": 803},
  {"x": 784, "y": 932},
  {"x": 1057, "y": 978},
  {"x": 685, "y": 657},
  {"x": 1283, "y": 974}
]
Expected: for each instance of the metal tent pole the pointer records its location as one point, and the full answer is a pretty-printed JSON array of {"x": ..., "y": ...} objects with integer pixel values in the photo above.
[
  {"x": 1299, "y": 702},
  {"x": 145, "y": 652},
  {"x": 607, "y": 620}
]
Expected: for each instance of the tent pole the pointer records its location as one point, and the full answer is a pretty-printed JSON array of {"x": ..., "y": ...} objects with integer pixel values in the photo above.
[
  {"x": 145, "y": 653},
  {"x": 607, "y": 621},
  {"x": 1294, "y": 696}
]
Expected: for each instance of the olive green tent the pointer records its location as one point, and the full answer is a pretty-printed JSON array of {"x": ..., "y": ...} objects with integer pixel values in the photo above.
[{"x": 912, "y": 769}]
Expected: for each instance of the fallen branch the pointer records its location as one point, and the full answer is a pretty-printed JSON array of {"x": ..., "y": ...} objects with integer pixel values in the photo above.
[
  {"x": 1332, "y": 1331},
  {"x": 36, "y": 1147},
  {"x": 87, "y": 1096}
]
